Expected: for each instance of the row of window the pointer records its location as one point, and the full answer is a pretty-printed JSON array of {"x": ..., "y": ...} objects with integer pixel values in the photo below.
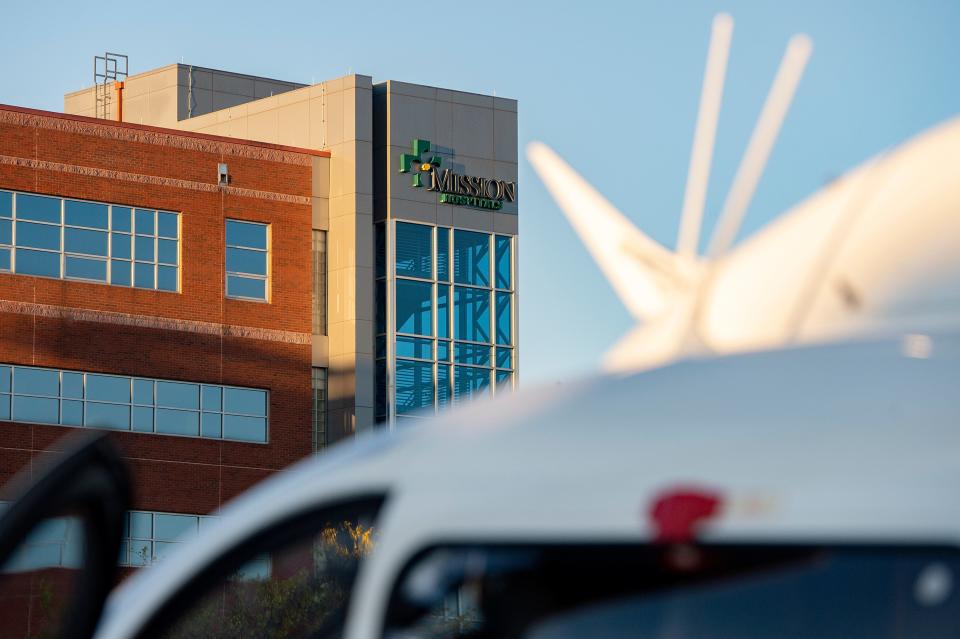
[
  {"x": 148, "y": 537},
  {"x": 468, "y": 318},
  {"x": 69, "y": 398},
  {"x": 119, "y": 245},
  {"x": 421, "y": 386},
  {"x": 473, "y": 260}
]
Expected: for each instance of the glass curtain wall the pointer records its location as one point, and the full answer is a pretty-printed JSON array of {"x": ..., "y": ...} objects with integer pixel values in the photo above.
[{"x": 445, "y": 318}]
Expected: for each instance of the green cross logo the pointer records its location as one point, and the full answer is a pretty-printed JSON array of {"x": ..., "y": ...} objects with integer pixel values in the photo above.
[{"x": 417, "y": 161}]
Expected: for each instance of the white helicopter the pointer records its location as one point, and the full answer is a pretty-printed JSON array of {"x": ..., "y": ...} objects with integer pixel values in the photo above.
[{"x": 875, "y": 251}]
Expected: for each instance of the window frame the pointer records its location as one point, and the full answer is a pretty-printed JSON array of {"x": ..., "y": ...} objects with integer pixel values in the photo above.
[
  {"x": 133, "y": 403},
  {"x": 108, "y": 259},
  {"x": 268, "y": 251}
]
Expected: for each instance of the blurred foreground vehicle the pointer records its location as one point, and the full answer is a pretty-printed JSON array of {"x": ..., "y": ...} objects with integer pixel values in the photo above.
[{"x": 796, "y": 493}]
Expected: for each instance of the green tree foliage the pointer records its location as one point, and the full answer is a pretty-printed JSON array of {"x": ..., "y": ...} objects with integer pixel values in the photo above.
[{"x": 292, "y": 602}]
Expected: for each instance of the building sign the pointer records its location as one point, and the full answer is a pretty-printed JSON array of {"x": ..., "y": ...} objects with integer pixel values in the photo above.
[{"x": 454, "y": 188}]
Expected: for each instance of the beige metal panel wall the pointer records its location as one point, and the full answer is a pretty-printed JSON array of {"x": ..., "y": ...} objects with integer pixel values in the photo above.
[
  {"x": 164, "y": 96},
  {"x": 475, "y": 134},
  {"x": 148, "y": 98}
]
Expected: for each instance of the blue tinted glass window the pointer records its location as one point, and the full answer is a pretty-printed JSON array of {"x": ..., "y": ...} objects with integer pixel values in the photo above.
[
  {"x": 177, "y": 422},
  {"x": 245, "y": 401},
  {"x": 4, "y": 259},
  {"x": 246, "y": 287},
  {"x": 246, "y": 234},
  {"x": 120, "y": 273},
  {"x": 504, "y": 380},
  {"x": 6, "y": 204},
  {"x": 142, "y": 391},
  {"x": 471, "y": 354},
  {"x": 167, "y": 252},
  {"x": 504, "y": 318},
  {"x": 166, "y": 278},
  {"x": 414, "y": 250},
  {"x": 85, "y": 241},
  {"x": 120, "y": 246},
  {"x": 141, "y": 525},
  {"x": 143, "y": 249},
  {"x": 414, "y": 386},
  {"x": 120, "y": 218},
  {"x": 471, "y": 312},
  {"x": 172, "y": 527},
  {"x": 142, "y": 420},
  {"x": 145, "y": 222},
  {"x": 443, "y": 385},
  {"x": 414, "y": 307},
  {"x": 443, "y": 351},
  {"x": 471, "y": 258},
  {"x": 210, "y": 425},
  {"x": 83, "y": 268},
  {"x": 246, "y": 261},
  {"x": 36, "y": 381},
  {"x": 44, "y": 236},
  {"x": 38, "y": 263},
  {"x": 469, "y": 382},
  {"x": 141, "y": 552},
  {"x": 6, "y": 232},
  {"x": 167, "y": 225},
  {"x": 4, "y": 379},
  {"x": 443, "y": 254},
  {"x": 178, "y": 395},
  {"x": 414, "y": 347},
  {"x": 71, "y": 413},
  {"x": 108, "y": 388},
  {"x": 36, "y": 409},
  {"x": 108, "y": 415},
  {"x": 143, "y": 275},
  {"x": 4, "y": 407},
  {"x": 89, "y": 214},
  {"x": 504, "y": 358},
  {"x": 502, "y": 260},
  {"x": 211, "y": 398},
  {"x": 38, "y": 207},
  {"x": 443, "y": 310},
  {"x": 244, "y": 428}
]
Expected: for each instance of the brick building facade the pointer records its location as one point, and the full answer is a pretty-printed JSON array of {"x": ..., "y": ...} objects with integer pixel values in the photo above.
[{"x": 194, "y": 334}]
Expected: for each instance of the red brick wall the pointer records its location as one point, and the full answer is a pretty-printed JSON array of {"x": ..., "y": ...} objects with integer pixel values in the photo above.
[{"x": 196, "y": 335}]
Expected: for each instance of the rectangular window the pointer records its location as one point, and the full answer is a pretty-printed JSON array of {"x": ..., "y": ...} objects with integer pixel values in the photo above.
[
  {"x": 150, "y": 537},
  {"x": 414, "y": 304},
  {"x": 90, "y": 241},
  {"x": 414, "y": 386},
  {"x": 94, "y": 400},
  {"x": 414, "y": 250},
  {"x": 471, "y": 258},
  {"x": 319, "y": 282},
  {"x": 319, "y": 418},
  {"x": 248, "y": 260}
]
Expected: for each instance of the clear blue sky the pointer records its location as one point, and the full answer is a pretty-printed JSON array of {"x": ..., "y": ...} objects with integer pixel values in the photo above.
[{"x": 612, "y": 86}]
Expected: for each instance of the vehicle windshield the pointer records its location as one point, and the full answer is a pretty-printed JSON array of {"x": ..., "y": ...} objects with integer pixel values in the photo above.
[
  {"x": 678, "y": 592},
  {"x": 293, "y": 580}
]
